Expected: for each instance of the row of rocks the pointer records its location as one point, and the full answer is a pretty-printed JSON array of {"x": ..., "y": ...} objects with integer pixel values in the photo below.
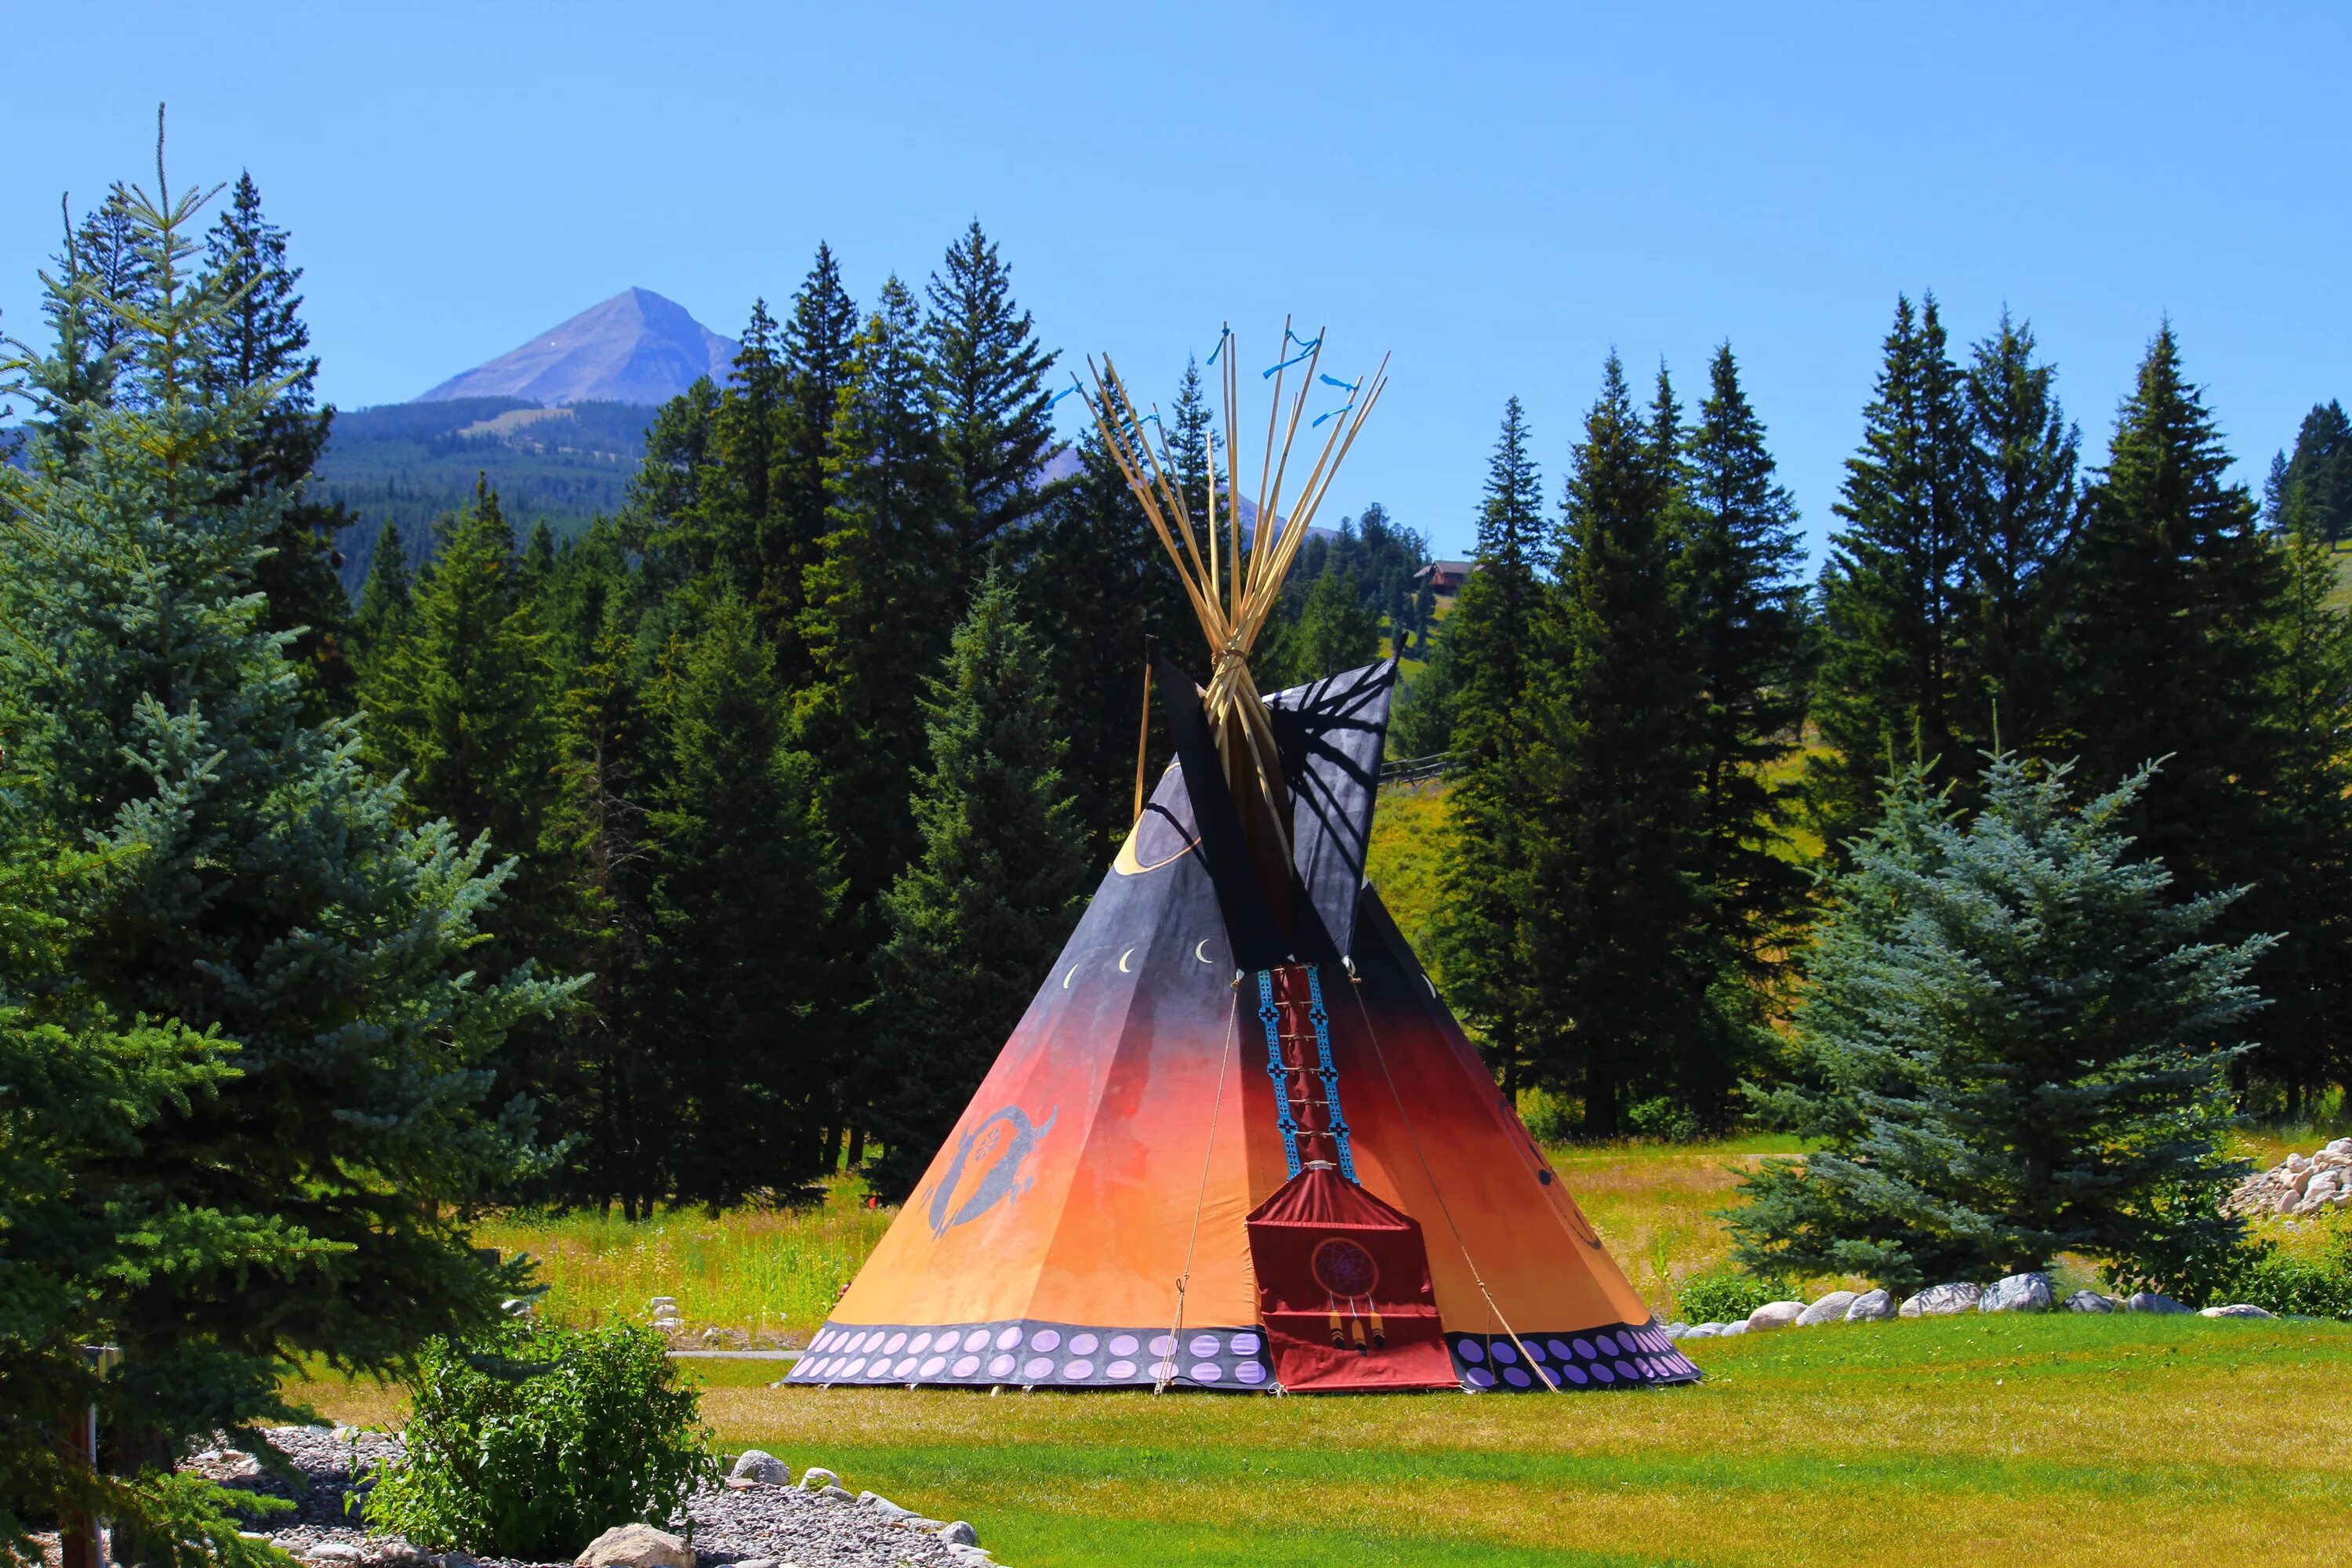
[
  {"x": 2016, "y": 1293},
  {"x": 2298, "y": 1185},
  {"x": 757, "y": 1519}
]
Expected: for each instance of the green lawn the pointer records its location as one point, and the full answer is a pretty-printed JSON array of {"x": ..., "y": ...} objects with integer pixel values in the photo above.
[{"x": 2057, "y": 1440}]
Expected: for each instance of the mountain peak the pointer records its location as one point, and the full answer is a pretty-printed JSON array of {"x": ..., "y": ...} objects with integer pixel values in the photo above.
[{"x": 635, "y": 347}]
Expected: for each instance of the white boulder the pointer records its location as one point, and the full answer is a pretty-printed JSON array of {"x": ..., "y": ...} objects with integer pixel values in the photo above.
[
  {"x": 2019, "y": 1293},
  {"x": 1830, "y": 1308},
  {"x": 816, "y": 1478},
  {"x": 1941, "y": 1301},
  {"x": 637, "y": 1546},
  {"x": 2089, "y": 1302},
  {"x": 2156, "y": 1302},
  {"x": 2236, "y": 1309},
  {"x": 755, "y": 1465},
  {"x": 1871, "y": 1307},
  {"x": 1775, "y": 1315},
  {"x": 1704, "y": 1330}
]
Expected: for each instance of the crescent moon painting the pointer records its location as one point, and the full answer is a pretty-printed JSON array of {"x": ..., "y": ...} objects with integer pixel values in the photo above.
[
  {"x": 1072, "y": 974},
  {"x": 1122, "y": 962},
  {"x": 1202, "y": 951}
]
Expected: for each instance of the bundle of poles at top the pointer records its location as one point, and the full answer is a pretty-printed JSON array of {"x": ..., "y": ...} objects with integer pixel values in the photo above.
[{"x": 1233, "y": 587}]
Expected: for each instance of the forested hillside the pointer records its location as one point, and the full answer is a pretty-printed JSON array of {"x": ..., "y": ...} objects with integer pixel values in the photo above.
[{"x": 413, "y": 464}]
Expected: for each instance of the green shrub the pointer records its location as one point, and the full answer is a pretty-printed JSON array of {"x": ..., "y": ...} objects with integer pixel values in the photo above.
[
  {"x": 534, "y": 1442},
  {"x": 1663, "y": 1121},
  {"x": 2314, "y": 1282},
  {"x": 1724, "y": 1296}
]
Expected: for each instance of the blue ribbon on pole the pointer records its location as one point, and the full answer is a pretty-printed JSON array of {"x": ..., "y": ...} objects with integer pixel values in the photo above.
[
  {"x": 1306, "y": 347},
  {"x": 1222, "y": 338},
  {"x": 1061, "y": 394},
  {"x": 1335, "y": 413}
]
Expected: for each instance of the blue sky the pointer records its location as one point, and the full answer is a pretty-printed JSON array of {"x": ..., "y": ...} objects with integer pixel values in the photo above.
[{"x": 1496, "y": 193}]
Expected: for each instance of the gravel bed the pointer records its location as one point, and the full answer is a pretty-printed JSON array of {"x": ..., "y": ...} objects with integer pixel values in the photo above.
[{"x": 756, "y": 1527}]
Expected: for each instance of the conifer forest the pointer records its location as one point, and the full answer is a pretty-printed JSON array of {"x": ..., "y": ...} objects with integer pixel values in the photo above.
[{"x": 699, "y": 854}]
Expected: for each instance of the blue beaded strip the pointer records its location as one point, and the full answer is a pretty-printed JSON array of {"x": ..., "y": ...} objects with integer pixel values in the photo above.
[
  {"x": 1330, "y": 1074},
  {"x": 1271, "y": 1015}
]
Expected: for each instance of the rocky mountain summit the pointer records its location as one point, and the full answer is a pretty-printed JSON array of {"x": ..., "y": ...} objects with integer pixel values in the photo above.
[{"x": 636, "y": 347}]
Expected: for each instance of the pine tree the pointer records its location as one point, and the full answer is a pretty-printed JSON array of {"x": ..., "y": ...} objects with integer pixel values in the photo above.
[
  {"x": 1482, "y": 940},
  {"x": 2009, "y": 1052},
  {"x": 1739, "y": 560},
  {"x": 2316, "y": 479},
  {"x": 2310, "y": 974},
  {"x": 987, "y": 375},
  {"x": 1336, "y": 631},
  {"x": 269, "y": 900},
  {"x": 1096, "y": 587},
  {"x": 874, "y": 621},
  {"x": 259, "y": 341},
  {"x": 385, "y": 615},
  {"x": 461, "y": 706},
  {"x": 743, "y": 1004},
  {"x": 818, "y": 339},
  {"x": 1616, "y": 918},
  {"x": 2022, "y": 492},
  {"x": 2172, "y": 598},
  {"x": 1894, "y": 590},
  {"x": 1430, "y": 705},
  {"x": 975, "y": 921}
]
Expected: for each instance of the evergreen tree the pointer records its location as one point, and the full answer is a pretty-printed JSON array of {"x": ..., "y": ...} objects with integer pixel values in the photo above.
[
  {"x": 1481, "y": 943},
  {"x": 875, "y": 594},
  {"x": 1191, "y": 452},
  {"x": 2173, "y": 595},
  {"x": 258, "y": 342},
  {"x": 1336, "y": 631},
  {"x": 1739, "y": 560},
  {"x": 269, "y": 900},
  {"x": 818, "y": 338},
  {"x": 461, "y": 706},
  {"x": 2316, "y": 479},
  {"x": 987, "y": 375},
  {"x": 384, "y": 617},
  {"x": 2009, "y": 1052},
  {"x": 2021, "y": 493},
  {"x": 608, "y": 1092},
  {"x": 1894, "y": 599},
  {"x": 661, "y": 519},
  {"x": 1096, "y": 588},
  {"x": 1430, "y": 705},
  {"x": 976, "y": 920},
  {"x": 742, "y": 1005},
  {"x": 117, "y": 274},
  {"x": 80, "y": 1091},
  {"x": 1616, "y": 919}
]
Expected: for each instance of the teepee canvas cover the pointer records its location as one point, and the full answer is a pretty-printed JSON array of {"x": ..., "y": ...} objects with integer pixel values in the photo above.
[{"x": 1238, "y": 1141}]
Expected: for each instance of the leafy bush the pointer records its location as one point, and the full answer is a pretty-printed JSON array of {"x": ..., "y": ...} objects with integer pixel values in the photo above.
[
  {"x": 2315, "y": 1283},
  {"x": 1550, "y": 1119},
  {"x": 1664, "y": 1120},
  {"x": 533, "y": 1442},
  {"x": 1724, "y": 1296}
]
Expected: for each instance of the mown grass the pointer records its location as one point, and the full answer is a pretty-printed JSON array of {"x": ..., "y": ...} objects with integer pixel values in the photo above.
[{"x": 2061, "y": 1439}]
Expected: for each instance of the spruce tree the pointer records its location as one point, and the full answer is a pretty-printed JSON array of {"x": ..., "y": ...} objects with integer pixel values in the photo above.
[
  {"x": 2014, "y": 1046},
  {"x": 2309, "y": 976},
  {"x": 384, "y": 617},
  {"x": 270, "y": 899},
  {"x": 987, "y": 374},
  {"x": 2022, "y": 495},
  {"x": 259, "y": 341},
  {"x": 1616, "y": 919},
  {"x": 2173, "y": 593},
  {"x": 740, "y": 993},
  {"x": 1740, "y": 562},
  {"x": 1482, "y": 938},
  {"x": 818, "y": 337},
  {"x": 2316, "y": 478},
  {"x": 1895, "y": 600},
  {"x": 1095, "y": 588},
  {"x": 1336, "y": 631},
  {"x": 875, "y": 620},
  {"x": 975, "y": 921},
  {"x": 1429, "y": 704},
  {"x": 462, "y": 707}
]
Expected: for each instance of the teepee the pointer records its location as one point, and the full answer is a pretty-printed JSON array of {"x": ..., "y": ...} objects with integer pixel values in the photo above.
[{"x": 1238, "y": 1141}]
